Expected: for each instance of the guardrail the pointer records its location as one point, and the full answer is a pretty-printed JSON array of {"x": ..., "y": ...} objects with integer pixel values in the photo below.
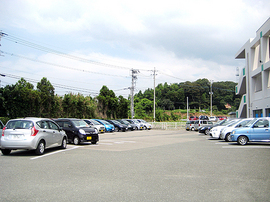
[{"x": 168, "y": 125}]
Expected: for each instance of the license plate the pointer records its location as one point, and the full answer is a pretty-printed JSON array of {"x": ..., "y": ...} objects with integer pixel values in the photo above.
[
  {"x": 101, "y": 131},
  {"x": 16, "y": 137},
  {"x": 89, "y": 138}
]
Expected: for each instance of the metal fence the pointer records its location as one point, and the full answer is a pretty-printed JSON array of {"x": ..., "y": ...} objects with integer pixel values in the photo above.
[{"x": 168, "y": 125}]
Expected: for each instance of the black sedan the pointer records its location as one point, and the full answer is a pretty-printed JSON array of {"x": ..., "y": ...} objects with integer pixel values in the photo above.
[{"x": 78, "y": 131}]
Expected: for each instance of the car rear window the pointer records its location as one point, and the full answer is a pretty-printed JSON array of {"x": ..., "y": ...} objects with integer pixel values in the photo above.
[{"x": 19, "y": 124}]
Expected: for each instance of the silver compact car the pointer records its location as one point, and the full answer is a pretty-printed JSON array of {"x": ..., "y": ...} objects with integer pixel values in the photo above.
[{"x": 32, "y": 134}]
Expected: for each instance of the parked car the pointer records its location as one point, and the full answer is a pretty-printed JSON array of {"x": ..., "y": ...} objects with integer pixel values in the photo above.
[
  {"x": 206, "y": 129},
  {"x": 131, "y": 126},
  {"x": 32, "y": 134},
  {"x": 221, "y": 118},
  {"x": 78, "y": 131},
  {"x": 139, "y": 126},
  {"x": 257, "y": 130},
  {"x": 118, "y": 126},
  {"x": 190, "y": 125},
  {"x": 193, "y": 118},
  {"x": 95, "y": 124},
  {"x": 226, "y": 132},
  {"x": 202, "y": 123},
  {"x": 108, "y": 126},
  {"x": 146, "y": 126},
  {"x": 203, "y": 117},
  {"x": 215, "y": 132},
  {"x": 212, "y": 118}
]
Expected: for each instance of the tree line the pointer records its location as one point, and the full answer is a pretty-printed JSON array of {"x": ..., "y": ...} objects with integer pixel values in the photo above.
[{"x": 24, "y": 100}]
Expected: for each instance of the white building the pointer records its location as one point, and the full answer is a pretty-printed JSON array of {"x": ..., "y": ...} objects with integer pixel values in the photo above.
[{"x": 254, "y": 78}]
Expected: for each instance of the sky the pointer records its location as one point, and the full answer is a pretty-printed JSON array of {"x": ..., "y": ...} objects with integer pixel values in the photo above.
[{"x": 81, "y": 45}]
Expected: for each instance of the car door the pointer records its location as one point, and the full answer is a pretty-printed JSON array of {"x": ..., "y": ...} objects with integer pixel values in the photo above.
[
  {"x": 260, "y": 131},
  {"x": 46, "y": 134},
  {"x": 55, "y": 133},
  {"x": 69, "y": 129}
]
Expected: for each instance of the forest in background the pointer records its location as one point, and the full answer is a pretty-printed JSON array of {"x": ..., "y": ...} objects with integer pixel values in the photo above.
[{"x": 24, "y": 100}]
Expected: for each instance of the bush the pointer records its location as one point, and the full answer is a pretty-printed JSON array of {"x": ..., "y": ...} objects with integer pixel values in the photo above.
[{"x": 4, "y": 120}]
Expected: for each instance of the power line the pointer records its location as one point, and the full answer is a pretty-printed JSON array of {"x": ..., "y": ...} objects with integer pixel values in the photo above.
[
  {"x": 62, "y": 66},
  {"x": 54, "y": 84},
  {"x": 59, "y": 53}
]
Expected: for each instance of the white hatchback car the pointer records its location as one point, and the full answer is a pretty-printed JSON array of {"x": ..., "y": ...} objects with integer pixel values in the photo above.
[
  {"x": 32, "y": 134},
  {"x": 226, "y": 132},
  {"x": 215, "y": 132}
]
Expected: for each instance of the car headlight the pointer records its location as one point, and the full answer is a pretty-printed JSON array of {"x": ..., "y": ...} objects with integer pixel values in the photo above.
[
  {"x": 233, "y": 132},
  {"x": 82, "y": 131}
]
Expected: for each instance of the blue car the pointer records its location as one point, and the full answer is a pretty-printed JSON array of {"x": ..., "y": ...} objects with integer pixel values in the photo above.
[
  {"x": 257, "y": 130},
  {"x": 108, "y": 127}
]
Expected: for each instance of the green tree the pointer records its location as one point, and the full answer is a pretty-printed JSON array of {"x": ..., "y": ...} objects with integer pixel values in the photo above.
[{"x": 46, "y": 90}]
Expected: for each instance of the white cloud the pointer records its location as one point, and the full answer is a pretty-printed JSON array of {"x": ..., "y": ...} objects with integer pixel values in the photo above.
[{"x": 185, "y": 39}]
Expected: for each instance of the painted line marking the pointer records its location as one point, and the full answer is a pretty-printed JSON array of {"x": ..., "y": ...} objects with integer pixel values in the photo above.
[{"x": 53, "y": 153}]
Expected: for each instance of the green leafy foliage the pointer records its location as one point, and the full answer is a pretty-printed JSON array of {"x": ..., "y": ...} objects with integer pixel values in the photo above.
[{"x": 22, "y": 100}]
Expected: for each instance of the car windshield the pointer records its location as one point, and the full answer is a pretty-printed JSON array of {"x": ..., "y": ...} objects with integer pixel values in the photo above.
[
  {"x": 105, "y": 122},
  {"x": 80, "y": 123},
  {"x": 19, "y": 124},
  {"x": 243, "y": 123},
  {"x": 95, "y": 122},
  {"x": 250, "y": 123},
  {"x": 116, "y": 122},
  {"x": 124, "y": 121}
]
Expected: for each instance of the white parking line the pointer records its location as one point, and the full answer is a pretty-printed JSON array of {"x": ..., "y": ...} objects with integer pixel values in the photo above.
[{"x": 53, "y": 153}]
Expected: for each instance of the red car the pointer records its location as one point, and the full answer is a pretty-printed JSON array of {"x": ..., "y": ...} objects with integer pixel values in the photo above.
[
  {"x": 193, "y": 118},
  {"x": 221, "y": 117}
]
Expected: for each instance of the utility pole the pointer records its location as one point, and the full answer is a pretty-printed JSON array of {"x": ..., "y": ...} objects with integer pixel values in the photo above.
[
  {"x": 154, "y": 94},
  {"x": 187, "y": 108},
  {"x": 134, "y": 78},
  {"x": 211, "y": 93}
]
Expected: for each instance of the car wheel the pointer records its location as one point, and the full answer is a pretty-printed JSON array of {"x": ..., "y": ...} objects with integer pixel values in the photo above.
[
  {"x": 145, "y": 128},
  {"x": 5, "y": 151},
  {"x": 76, "y": 140},
  {"x": 206, "y": 132},
  {"x": 228, "y": 137},
  {"x": 117, "y": 129},
  {"x": 94, "y": 142},
  {"x": 64, "y": 144},
  {"x": 40, "y": 148},
  {"x": 242, "y": 140}
]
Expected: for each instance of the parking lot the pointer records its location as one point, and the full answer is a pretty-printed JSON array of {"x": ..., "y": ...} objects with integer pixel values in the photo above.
[{"x": 152, "y": 165}]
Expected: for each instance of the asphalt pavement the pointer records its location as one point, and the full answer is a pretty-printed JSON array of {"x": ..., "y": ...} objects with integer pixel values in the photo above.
[{"x": 155, "y": 165}]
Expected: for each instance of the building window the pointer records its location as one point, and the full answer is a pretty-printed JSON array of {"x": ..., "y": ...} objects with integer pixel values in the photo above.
[
  {"x": 244, "y": 71},
  {"x": 244, "y": 99},
  {"x": 257, "y": 83},
  {"x": 267, "y": 112},
  {"x": 257, "y": 113}
]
